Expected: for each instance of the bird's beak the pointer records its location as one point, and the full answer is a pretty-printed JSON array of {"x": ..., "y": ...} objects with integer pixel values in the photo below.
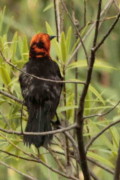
[{"x": 51, "y": 37}]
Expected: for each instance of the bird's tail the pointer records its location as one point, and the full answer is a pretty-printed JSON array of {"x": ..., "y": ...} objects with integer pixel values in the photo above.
[{"x": 38, "y": 121}]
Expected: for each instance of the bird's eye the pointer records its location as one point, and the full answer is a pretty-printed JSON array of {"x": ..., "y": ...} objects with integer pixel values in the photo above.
[{"x": 40, "y": 44}]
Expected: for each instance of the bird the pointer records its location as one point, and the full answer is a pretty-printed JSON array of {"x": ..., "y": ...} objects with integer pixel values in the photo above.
[{"x": 40, "y": 96}]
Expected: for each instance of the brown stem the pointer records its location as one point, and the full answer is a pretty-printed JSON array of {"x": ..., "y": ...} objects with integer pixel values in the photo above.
[
  {"x": 42, "y": 79},
  {"x": 39, "y": 133},
  {"x": 100, "y": 133},
  {"x": 117, "y": 168},
  {"x": 80, "y": 120},
  {"x": 17, "y": 171}
]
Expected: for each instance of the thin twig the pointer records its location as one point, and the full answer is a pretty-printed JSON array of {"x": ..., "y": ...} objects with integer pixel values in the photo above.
[
  {"x": 5, "y": 120},
  {"x": 36, "y": 159},
  {"x": 80, "y": 120},
  {"x": 61, "y": 167},
  {"x": 31, "y": 75},
  {"x": 21, "y": 119},
  {"x": 107, "y": 6},
  {"x": 17, "y": 171},
  {"x": 11, "y": 96},
  {"x": 117, "y": 5},
  {"x": 91, "y": 161},
  {"x": 101, "y": 115},
  {"x": 117, "y": 168},
  {"x": 41, "y": 162},
  {"x": 103, "y": 20},
  {"x": 58, "y": 29},
  {"x": 40, "y": 133},
  {"x": 107, "y": 34},
  {"x": 93, "y": 175},
  {"x": 85, "y": 12},
  {"x": 56, "y": 19},
  {"x": 74, "y": 144},
  {"x": 77, "y": 31},
  {"x": 100, "y": 133},
  {"x": 100, "y": 165}
]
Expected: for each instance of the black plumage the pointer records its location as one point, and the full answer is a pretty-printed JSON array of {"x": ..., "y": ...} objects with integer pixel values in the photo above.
[{"x": 41, "y": 97}]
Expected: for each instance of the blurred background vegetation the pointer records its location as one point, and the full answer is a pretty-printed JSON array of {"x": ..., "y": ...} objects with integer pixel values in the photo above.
[{"x": 19, "y": 21}]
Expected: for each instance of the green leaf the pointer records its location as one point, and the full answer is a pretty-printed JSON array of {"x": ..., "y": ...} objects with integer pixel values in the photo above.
[
  {"x": 5, "y": 75},
  {"x": 55, "y": 44},
  {"x": 23, "y": 46},
  {"x": 97, "y": 94},
  {"x": 101, "y": 159},
  {"x": 66, "y": 108},
  {"x": 115, "y": 137},
  {"x": 68, "y": 39},
  {"x": 2, "y": 14},
  {"x": 1, "y": 43},
  {"x": 99, "y": 64},
  {"x": 99, "y": 108},
  {"x": 14, "y": 45},
  {"x": 48, "y": 7},
  {"x": 49, "y": 29},
  {"x": 63, "y": 47}
]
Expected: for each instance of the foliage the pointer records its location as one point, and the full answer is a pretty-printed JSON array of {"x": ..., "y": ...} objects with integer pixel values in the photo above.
[{"x": 103, "y": 92}]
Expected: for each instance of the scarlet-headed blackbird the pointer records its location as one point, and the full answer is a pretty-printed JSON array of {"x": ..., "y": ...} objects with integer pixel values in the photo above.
[{"x": 41, "y": 97}]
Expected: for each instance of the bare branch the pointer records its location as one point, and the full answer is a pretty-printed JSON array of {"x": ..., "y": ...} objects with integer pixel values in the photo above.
[
  {"x": 40, "y": 133},
  {"x": 11, "y": 96},
  {"x": 80, "y": 120},
  {"x": 100, "y": 133},
  {"x": 77, "y": 31},
  {"x": 17, "y": 171},
  {"x": 61, "y": 167},
  {"x": 93, "y": 175},
  {"x": 85, "y": 12},
  {"x": 117, "y": 5},
  {"x": 37, "y": 160},
  {"x": 100, "y": 165},
  {"x": 97, "y": 23},
  {"x": 107, "y": 34},
  {"x": 90, "y": 30},
  {"x": 101, "y": 115},
  {"x": 31, "y": 75},
  {"x": 117, "y": 168},
  {"x": 57, "y": 18},
  {"x": 90, "y": 160}
]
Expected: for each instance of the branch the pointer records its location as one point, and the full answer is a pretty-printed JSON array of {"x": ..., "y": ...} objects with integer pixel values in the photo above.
[
  {"x": 93, "y": 175},
  {"x": 56, "y": 19},
  {"x": 117, "y": 5},
  {"x": 117, "y": 168},
  {"x": 100, "y": 133},
  {"x": 31, "y": 75},
  {"x": 77, "y": 31},
  {"x": 11, "y": 96},
  {"x": 85, "y": 14},
  {"x": 80, "y": 120},
  {"x": 36, "y": 159},
  {"x": 100, "y": 115},
  {"x": 90, "y": 160},
  {"x": 58, "y": 162},
  {"x": 107, "y": 34},
  {"x": 41, "y": 162},
  {"x": 90, "y": 30},
  {"x": 40, "y": 133},
  {"x": 17, "y": 171},
  {"x": 100, "y": 165}
]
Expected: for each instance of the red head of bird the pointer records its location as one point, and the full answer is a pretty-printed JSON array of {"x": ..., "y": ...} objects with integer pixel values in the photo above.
[{"x": 40, "y": 45}]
